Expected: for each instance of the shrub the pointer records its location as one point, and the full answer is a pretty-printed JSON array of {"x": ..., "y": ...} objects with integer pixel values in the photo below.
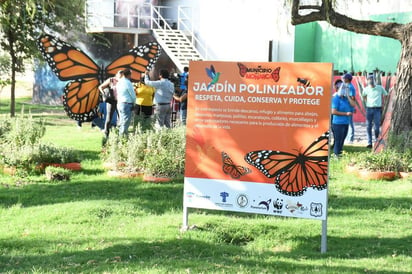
[
  {"x": 387, "y": 160},
  {"x": 165, "y": 155},
  {"x": 57, "y": 173},
  {"x": 4, "y": 127},
  {"x": 23, "y": 130},
  {"x": 113, "y": 152},
  {"x": 49, "y": 153},
  {"x": 29, "y": 156},
  {"x": 20, "y": 157},
  {"x": 158, "y": 153},
  {"x": 21, "y": 147}
]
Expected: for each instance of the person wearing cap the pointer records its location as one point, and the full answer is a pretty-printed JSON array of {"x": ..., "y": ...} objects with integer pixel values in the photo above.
[
  {"x": 372, "y": 95},
  {"x": 347, "y": 84},
  {"x": 342, "y": 110}
]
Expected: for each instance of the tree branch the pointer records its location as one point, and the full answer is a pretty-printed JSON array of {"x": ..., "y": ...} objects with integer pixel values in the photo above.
[
  {"x": 386, "y": 29},
  {"x": 309, "y": 7}
]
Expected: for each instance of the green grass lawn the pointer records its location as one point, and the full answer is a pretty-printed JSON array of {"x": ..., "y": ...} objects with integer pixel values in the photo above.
[{"x": 97, "y": 224}]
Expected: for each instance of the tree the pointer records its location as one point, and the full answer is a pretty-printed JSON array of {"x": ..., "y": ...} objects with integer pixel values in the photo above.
[
  {"x": 21, "y": 21},
  {"x": 402, "y": 114}
]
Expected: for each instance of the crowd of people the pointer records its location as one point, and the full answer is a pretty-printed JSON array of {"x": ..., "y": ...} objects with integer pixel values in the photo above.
[
  {"x": 145, "y": 98},
  {"x": 344, "y": 106},
  {"x": 148, "y": 97}
]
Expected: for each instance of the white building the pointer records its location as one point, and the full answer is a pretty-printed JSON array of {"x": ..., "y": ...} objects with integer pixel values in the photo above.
[{"x": 226, "y": 30}]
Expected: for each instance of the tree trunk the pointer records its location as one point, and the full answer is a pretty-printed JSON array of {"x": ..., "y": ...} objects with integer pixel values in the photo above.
[
  {"x": 13, "y": 76},
  {"x": 13, "y": 91},
  {"x": 402, "y": 114}
]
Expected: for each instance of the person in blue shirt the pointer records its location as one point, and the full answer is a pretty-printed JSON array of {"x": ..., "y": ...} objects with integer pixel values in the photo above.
[
  {"x": 183, "y": 79},
  {"x": 126, "y": 98},
  {"x": 347, "y": 84},
  {"x": 342, "y": 111}
]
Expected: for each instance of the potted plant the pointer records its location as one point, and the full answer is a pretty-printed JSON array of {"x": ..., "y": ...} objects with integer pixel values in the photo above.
[
  {"x": 50, "y": 155},
  {"x": 406, "y": 168},
  {"x": 159, "y": 155},
  {"x": 378, "y": 166},
  {"x": 57, "y": 173}
]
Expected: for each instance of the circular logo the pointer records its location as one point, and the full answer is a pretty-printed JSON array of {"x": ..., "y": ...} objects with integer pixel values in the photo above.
[{"x": 242, "y": 200}]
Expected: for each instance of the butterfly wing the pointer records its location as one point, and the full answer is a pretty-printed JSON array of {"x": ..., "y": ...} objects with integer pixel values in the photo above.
[
  {"x": 275, "y": 74},
  {"x": 81, "y": 96},
  {"x": 81, "y": 99},
  {"x": 138, "y": 60},
  {"x": 231, "y": 169},
  {"x": 294, "y": 180},
  {"x": 318, "y": 149},
  {"x": 242, "y": 69},
  {"x": 270, "y": 162},
  {"x": 295, "y": 173},
  {"x": 309, "y": 170},
  {"x": 66, "y": 61}
]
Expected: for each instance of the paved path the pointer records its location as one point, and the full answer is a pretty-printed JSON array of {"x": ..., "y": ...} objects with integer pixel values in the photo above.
[{"x": 361, "y": 137}]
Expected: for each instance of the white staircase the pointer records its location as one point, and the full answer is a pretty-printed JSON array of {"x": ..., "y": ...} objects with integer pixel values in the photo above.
[
  {"x": 178, "y": 40},
  {"x": 177, "y": 46}
]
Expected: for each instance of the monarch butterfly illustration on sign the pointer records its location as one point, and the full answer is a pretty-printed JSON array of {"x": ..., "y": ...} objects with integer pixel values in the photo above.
[
  {"x": 243, "y": 70},
  {"x": 231, "y": 169},
  {"x": 294, "y": 173},
  {"x": 81, "y": 94}
]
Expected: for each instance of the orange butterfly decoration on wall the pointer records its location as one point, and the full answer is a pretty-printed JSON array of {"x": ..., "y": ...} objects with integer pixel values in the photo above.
[{"x": 81, "y": 95}]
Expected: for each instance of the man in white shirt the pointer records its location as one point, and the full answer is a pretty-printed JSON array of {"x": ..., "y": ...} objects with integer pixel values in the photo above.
[
  {"x": 372, "y": 95},
  {"x": 163, "y": 97}
]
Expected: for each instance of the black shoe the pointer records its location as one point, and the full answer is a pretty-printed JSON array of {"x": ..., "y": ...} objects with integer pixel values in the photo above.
[{"x": 369, "y": 146}]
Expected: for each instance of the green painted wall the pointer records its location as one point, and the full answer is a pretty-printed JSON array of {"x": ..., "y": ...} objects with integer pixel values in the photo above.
[
  {"x": 305, "y": 42},
  {"x": 348, "y": 51}
]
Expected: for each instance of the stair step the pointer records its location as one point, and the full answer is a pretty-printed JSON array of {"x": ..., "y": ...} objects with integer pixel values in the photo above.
[{"x": 178, "y": 46}]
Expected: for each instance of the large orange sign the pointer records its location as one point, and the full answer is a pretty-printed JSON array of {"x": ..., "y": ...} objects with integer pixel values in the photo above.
[{"x": 257, "y": 137}]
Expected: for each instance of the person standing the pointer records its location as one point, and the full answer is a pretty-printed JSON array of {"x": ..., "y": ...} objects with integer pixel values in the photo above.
[
  {"x": 126, "y": 99},
  {"x": 342, "y": 110},
  {"x": 183, "y": 78},
  {"x": 111, "y": 105},
  {"x": 163, "y": 96},
  {"x": 372, "y": 95},
  {"x": 181, "y": 97},
  {"x": 337, "y": 85},
  {"x": 144, "y": 102},
  {"x": 347, "y": 84}
]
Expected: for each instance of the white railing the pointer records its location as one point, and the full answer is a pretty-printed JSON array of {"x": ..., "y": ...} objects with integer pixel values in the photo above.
[
  {"x": 128, "y": 14},
  {"x": 185, "y": 23}
]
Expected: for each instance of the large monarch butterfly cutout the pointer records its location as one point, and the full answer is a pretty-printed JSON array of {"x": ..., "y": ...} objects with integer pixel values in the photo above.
[
  {"x": 231, "y": 169},
  {"x": 294, "y": 173},
  {"x": 81, "y": 94}
]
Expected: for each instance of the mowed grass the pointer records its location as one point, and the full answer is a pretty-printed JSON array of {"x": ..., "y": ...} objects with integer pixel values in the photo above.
[{"x": 97, "y": 224}]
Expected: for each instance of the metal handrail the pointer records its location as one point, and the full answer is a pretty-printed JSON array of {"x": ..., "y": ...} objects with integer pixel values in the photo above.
[
  {"x": 182, "y": 17},
  {"x": 155, "y": 17}
]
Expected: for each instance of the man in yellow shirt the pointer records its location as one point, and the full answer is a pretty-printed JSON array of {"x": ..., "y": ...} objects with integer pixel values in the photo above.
[{"x": 144, "y": 99}]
